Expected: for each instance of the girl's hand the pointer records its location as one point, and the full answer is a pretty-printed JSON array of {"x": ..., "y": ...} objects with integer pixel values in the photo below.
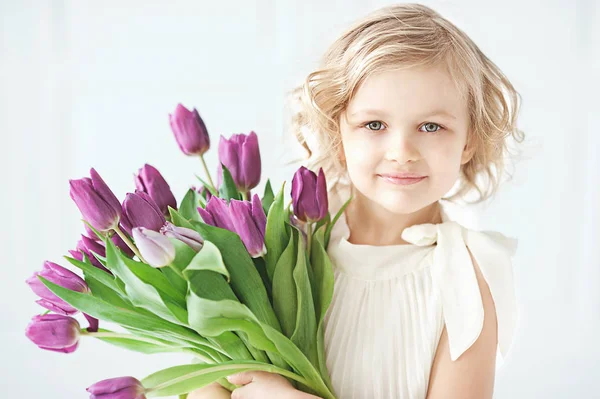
[
  {"x": 262, "y": 385},
  {"x": 211, "y": 391}
]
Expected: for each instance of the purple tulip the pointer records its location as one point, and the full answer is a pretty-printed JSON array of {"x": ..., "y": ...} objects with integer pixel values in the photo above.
[
  {"x": 245, "y": 218},
  {"x": 150, "y": 181},
  {"x": 309, "y": 195},
  {"x": 60, "y": 276},
  {"x": 54, "y": 332},
  {"x": 188, "y": 236},
  {"x": 189, "y": 130},
  {"x": 83, "y": 249},
  {"x": 241, "y": 156},
  {"x": 217, "y": 214},
  {"x": 96, "y": 202},
  {"x": 140, "y": 210},
  {"x": 156, "y": 249},
  {"x": 117, "y": 388}
]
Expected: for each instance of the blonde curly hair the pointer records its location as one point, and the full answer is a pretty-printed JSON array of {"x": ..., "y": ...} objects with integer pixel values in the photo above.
[{"x": 401, "y": 36}]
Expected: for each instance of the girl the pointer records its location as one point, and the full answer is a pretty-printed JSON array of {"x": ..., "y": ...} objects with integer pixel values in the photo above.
[{"x": 405, "y": 115}]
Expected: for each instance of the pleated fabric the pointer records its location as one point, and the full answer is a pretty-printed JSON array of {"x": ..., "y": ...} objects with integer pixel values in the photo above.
[{"x": 391, "y": 303}]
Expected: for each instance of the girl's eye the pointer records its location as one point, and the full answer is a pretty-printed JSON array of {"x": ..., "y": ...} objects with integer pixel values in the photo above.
[
  {"x": 376, "y": 123},
  {"x": 431, "y": 125}
]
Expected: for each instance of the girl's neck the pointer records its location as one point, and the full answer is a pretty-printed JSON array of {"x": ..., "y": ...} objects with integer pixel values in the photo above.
[{"x": 370, "y": 224}]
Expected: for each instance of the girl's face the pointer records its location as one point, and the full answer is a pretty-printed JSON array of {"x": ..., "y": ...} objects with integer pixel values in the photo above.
[{"x": 410, "y": 121}]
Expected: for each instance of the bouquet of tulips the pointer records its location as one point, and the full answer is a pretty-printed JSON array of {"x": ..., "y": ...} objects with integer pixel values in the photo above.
[{"x": 238, "y": 281}]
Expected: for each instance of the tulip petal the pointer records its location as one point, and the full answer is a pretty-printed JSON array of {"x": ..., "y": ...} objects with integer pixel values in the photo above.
[
  {"x": 155, "y": 248},
  {"x": 246, "y": 228},
  {"x": 105, "y": 192},
  {"x": 150, "y": 181},
  {"x": 251, "y": 162},
  {"x": 258, "y": 214},
  {"x": 321, "y": 194},
  {"x": 219, "y": 211},
  {"x": 229, "y": 154},
  {"x": 92, "y": 206},
  {"x": 142, "y": 211}
]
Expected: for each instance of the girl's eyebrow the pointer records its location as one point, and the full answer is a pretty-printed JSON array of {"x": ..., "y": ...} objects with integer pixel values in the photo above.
[{"x": 376, "y": 112}]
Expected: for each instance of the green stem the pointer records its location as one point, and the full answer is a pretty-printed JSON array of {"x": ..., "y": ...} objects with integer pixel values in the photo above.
[
  {"x": 309, "y": 238},
  {"x": 245, "y": 195},
  {"x": 129, "y": 243},
  {"x": 176, "y": 270},
  {"x": 106, "y": 334},
  {"x": 207, "y": 172},
  {"x": 110, "y": 334},
  {"x": 260, "y": 367}
]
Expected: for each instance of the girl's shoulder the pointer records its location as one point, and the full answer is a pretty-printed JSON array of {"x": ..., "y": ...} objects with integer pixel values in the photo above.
[{"x": 458, "y": 249}]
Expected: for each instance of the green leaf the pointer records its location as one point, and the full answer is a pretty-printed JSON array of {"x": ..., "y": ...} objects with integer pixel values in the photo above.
[
  {"x": 189, "y": 205},
  {"x": 206, "y": 283},
  {"x": 186, "y": 378},
  {"x": 324, "y": 280},
  {"x": 259, "y": 264},
  {"x": 141, "y": 281},
  {"x": 228, "y": 189},
  {"x": 276, "y": 235},
  {"x": 268, "y": 197},
  {"x": 183, "y": 256},
  {"x": 209, "y": 258},
  {"x": 334, "y": 221},
  {"x": 306, "y": 325},
  {"x": 101, "y": 291},
  {"x": 98, "y": 274},
  {"x": 134, "y": 343},
  {"x": 155, "y": 278},
  {"x": 285, "y": 301},
  {"x": 178, "y": 220},
  {"x": 211, "y": 318},
  {"x": 245, "y": 279},
  {"x": 103, "y": 310}
]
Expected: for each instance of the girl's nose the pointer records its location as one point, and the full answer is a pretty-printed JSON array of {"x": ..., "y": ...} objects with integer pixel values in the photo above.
[{"x": 402, "y": 148}]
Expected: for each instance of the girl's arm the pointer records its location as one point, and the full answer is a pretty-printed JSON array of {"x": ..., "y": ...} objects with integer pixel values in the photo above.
[{"x": 471, "y": 376}]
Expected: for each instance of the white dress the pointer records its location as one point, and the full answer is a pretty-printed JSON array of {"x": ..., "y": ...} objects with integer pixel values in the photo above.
[{"x": 390, "y": 304}]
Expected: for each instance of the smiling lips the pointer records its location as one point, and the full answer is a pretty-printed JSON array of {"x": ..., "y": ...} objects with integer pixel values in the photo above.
[{"x": 403, "y": 179}]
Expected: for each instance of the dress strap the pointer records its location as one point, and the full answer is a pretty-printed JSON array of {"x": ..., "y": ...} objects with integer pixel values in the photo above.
[{"x": 452, "y": 271}]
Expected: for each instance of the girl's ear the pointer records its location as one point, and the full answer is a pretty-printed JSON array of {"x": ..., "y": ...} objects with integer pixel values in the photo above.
[{"x": 467, "y": 153}]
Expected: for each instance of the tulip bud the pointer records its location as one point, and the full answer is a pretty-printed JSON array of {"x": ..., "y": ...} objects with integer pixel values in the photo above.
[
  {"x": 96, "y": 202},
  {"x": 155, "y": 248},
  {"x": 189, "y": 130},
  {"x": 247, "y": 219},
  {"x": 141, "y": 211},
  {"x": 250, "y": 222},
  {"x": 217, "y": 214},
  {"x": 150, "y": 181},
  {"x": 60, "y": 276},
  {"x": 188, "y": 236},
  {"x": 117, "y": 388},
  {"x": 309, "y": 195},
  {"x": 241, "y": 156},
  {"x": 54, "y": 332}
]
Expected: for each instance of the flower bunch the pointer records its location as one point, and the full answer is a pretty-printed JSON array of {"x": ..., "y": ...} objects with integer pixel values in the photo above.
[{"x": 237, "y": 280}]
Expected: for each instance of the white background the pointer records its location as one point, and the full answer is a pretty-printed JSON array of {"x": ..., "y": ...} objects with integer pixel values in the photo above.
[{"x": 87, "y": 84}]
